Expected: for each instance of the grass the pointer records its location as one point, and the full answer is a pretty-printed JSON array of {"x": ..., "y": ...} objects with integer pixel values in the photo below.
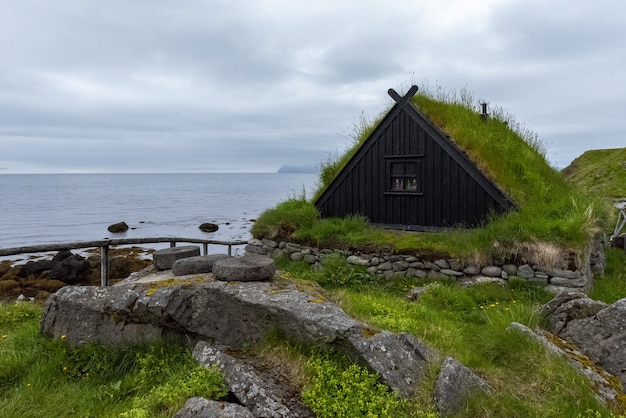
[
  {"x": 471, "y": 324},
  {"x": 551, "y": 208},
  {"x": 601, "y": 172},
  {"x": 42, "y": 377}
]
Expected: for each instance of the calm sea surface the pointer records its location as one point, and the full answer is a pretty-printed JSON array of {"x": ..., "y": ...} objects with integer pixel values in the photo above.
[{"x": 40, "y": 209}]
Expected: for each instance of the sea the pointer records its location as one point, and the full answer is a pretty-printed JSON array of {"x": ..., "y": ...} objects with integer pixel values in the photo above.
[{"x": 37, "y": 209}]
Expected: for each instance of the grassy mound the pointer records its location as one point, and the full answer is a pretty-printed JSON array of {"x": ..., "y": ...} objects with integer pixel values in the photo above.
[{"x": 600, "y": 172}]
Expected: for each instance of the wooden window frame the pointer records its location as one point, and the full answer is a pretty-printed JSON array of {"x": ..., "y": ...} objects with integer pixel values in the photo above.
[{"x": 397, "y": 180}]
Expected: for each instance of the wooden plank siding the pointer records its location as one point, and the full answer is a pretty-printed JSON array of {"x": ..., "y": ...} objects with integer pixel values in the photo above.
[{"x": 449, "y": 189}]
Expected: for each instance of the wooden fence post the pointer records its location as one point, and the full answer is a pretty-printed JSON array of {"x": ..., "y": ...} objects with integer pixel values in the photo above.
[{"x": 104, "y": 265}]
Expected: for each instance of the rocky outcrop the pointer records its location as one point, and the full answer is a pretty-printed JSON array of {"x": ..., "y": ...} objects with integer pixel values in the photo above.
[
  {"x": 598, "y": 330},
  {"x": 231, "y": 314}
]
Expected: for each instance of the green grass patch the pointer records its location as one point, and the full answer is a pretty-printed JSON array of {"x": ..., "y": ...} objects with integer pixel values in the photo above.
[
  {"x": 600, "y": 172},
  {"x": 470, "y": 324},
  {"x": 611, "y": 286},
  {"x": 42, "y": 377}
]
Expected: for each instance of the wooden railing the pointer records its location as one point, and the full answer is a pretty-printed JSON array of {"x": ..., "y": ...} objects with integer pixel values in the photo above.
[{"x": 106, "y": 243}]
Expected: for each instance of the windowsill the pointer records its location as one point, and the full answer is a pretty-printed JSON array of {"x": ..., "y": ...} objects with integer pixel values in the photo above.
[{"x": 404, "y": 192}]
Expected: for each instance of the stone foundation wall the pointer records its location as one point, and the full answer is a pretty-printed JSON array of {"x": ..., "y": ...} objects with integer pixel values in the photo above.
[{"x": 395, "y": 265}]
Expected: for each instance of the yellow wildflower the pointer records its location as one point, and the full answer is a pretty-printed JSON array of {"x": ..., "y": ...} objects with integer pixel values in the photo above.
[
  {"x": 63, "y": 336},
  {"x": 4, "y": 336}
]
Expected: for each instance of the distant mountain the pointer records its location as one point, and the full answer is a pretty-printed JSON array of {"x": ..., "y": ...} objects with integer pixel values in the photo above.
[
  {"x": 296, "y": 169},
  {"x": 602, "y": 172}
]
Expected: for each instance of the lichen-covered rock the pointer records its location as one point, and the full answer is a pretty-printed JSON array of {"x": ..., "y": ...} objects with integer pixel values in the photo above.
[
  {"x": 231, "y": 314},
  {"x": 598, "y": 330},
  {"x": 568, "y": 306}
]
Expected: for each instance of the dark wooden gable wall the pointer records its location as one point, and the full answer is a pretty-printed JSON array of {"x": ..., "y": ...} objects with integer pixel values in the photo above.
[{"x": 409, "y": 175}]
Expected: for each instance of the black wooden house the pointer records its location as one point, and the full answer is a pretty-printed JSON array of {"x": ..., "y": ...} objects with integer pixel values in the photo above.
[{"x": 409, "y": 175}]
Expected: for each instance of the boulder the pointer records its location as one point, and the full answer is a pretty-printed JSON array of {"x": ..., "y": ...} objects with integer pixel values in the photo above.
[
  {"x": 72, "y": 270},
  {"x": 196, "y": 265},
  {"x": 35, "y": 268},
  {"x": 165, "y": 258},
  {"x": 244, "y": 269},
  {"x": 598, "y": 330},
  {"x": 208, "y": 227},
  {"x": 198, "y": 407},
  {"x": 568, "y": 306},
  {"x": 118, "y": 228},
  {"x": 232, "y": 314},
  {"x": 454, "y": 384}
]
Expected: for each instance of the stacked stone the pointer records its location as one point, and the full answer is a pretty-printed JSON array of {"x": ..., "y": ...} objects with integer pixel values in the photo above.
[{"x": 395, "y": 265}]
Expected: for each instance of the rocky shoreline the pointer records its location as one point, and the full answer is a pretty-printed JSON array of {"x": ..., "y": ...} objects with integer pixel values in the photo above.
[{"x": 37, "y": 276}]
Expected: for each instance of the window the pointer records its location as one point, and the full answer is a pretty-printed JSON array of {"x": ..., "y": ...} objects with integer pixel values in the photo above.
[{"x": 404, "y": 176}]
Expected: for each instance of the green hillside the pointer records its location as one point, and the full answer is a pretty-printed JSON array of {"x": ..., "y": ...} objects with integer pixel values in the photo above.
[{"x": 600, "y": 172}]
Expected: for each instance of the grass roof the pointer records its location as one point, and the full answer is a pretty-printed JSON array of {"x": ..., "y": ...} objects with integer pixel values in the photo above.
[{"x": 551, "y": 208}]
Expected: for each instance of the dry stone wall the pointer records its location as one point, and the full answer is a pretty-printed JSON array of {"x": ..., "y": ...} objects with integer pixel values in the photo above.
[{"x": 395, "y": 266}]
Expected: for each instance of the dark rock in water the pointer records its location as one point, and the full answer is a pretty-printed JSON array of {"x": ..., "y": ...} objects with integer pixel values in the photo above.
[
  {"x": 118, "y": 228},
  {"x": 208, "y": 227},
  {"x": 74, "y": 269}
]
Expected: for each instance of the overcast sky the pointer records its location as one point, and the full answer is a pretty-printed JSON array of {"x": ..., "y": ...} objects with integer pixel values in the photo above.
[{"x": 234, "y": 85}]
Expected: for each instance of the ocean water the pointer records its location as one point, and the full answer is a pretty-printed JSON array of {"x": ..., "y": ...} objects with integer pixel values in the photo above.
[{"x": 40, "y": 209}]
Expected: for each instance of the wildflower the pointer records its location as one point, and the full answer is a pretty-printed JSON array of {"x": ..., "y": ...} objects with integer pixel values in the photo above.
[
  {"x": 507, "y": 309},
  {"x": 64, "y": 368},
  {"x": 497, "y": 303},
  {"x": 4, "y": 337},
  {"x": 514, "y": 301},
  {"x": 481, "y": 307},
  {"x": 493, "y": 305},
  {"x": 27, "y": 385},
  {"x": 63, "y": 336}
]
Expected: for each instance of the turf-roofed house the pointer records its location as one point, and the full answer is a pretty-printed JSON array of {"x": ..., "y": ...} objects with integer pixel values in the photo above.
[{"x": 409, "y": 175}]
